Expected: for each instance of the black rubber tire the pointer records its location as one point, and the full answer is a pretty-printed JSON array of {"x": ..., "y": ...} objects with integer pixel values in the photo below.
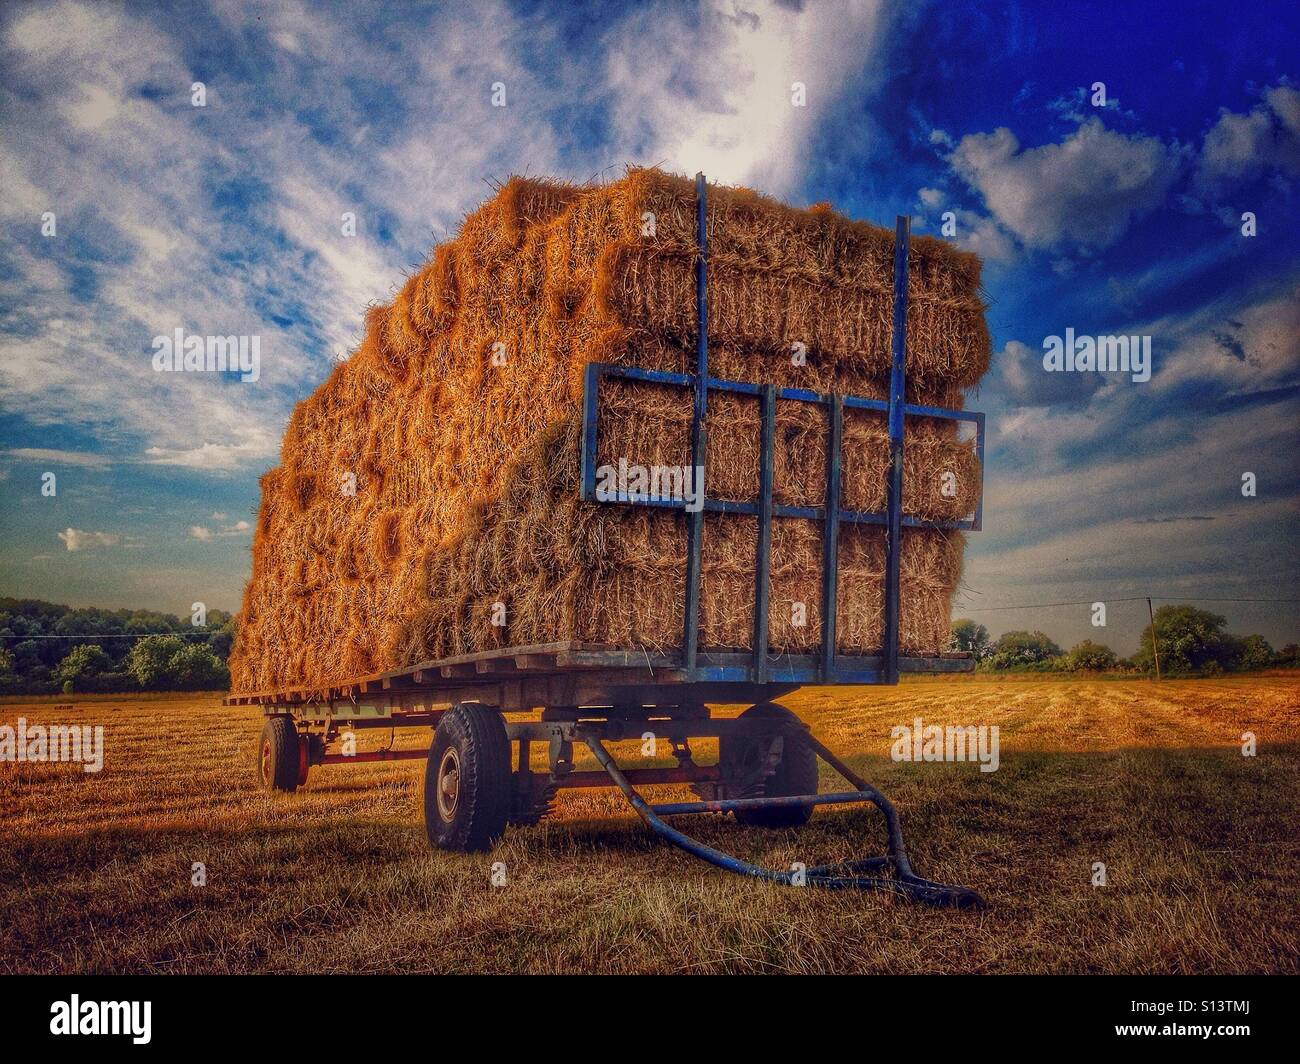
[
  {"x": 475, "y": 818},
  {"x": 796, "y": 772},
  {"x": 277, "y": 756}
]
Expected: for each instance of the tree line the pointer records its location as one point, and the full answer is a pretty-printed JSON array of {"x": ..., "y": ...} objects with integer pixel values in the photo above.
[
  {"x": 1190, "y": 642},
  {"x": 47, "y": 648}
]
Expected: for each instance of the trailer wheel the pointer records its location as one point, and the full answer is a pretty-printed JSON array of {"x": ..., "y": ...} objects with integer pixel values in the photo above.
[
  {"x": 467, "y": 784},
  {"x": 280, "y": 756},
  {"x": 795, "y": 772}
]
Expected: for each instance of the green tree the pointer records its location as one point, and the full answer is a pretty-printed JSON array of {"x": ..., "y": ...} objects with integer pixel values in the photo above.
[
  {"x": 1091, "y": 657},
  {"x": 1018, "y": 649},
  {"x": 27, "y": 657},
  {"x": 81, "y": 666},
  {"x": 149, "y": 659},
  {"x": 1254, "y": 653},
  {"x": 1190, "y": 640},
  {"x": 221, "y": 627},
  {"x": 195, "y": 668},
  {"x": 971, "y": 638}
]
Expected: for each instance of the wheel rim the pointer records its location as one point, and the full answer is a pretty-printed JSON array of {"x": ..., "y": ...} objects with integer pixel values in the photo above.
[
  {"x": 266, "y": 760},
  {"x": 448, "y": 783}
]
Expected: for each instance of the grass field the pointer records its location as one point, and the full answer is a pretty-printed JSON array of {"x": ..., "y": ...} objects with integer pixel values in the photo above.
[{"x": 1201, "y": 847}]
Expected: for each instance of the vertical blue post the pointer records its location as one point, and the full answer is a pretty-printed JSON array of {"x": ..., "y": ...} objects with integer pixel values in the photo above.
[
  {"x": 762, "y": 569},
  {"x": 699, "y": 438},
  {"x": 590, "y": 402},
  {"x": 894, "y": 500},
  {"x": 831, "y": 539}
]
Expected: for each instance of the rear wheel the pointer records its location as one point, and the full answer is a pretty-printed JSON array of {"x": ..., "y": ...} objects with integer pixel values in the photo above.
[
  {"x": 742, "y": 758},
  {"x": 280, "y": 756},
  {"x": 467, "y": 785}
]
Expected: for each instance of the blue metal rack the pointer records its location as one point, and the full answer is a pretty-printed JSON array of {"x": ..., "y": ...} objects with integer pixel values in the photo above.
[{"x": 831, "y": 667}]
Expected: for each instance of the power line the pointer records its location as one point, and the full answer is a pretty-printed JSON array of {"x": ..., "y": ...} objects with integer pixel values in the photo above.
[
  {"x": 1135, "y": 598},
  {"x": 109, "y": 635}
]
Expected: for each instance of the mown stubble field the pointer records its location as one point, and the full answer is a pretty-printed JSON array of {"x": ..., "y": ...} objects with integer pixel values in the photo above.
[{"x": 1201, "y": 846}]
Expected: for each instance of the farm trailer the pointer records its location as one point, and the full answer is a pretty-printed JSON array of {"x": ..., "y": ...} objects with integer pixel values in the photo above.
[{"x": 479, "y": 774}]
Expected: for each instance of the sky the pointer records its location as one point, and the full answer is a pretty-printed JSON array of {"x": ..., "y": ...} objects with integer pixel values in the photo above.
[{"x": 1101, "y": 158}]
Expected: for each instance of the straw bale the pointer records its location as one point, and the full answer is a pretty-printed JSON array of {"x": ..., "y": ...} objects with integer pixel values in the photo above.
[{"x": 428, "y": 490}]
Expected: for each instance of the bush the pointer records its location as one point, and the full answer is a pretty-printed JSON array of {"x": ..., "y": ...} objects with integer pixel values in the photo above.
[
  {"x": 80, "y": 666},
  {"x": 110, "y": 682},
  {"x": 196, "y": 668},
  {"x": 149, "y": 658},
  {"x": 971, "y": 638},
  {"x": 1091, "y": 657},
  {"x": 1253, "y": 652},
  {"x": 168, "y": 662},
  {"x": 1016, "y": 650},
  {"x": 36, "y": 663},
  {"x": 1190, "y": 639}
]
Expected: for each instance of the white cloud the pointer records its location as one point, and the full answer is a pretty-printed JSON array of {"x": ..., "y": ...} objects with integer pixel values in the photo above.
[
  {"x": 1083, "y": 191},
  {"x": 226, "y": 219},
  {"x": 203, "y": 533},
  {"x": 1114, "y": 470},
  {"x": 972, "y": 230},
  {"x": 213, "y": 456},
  {"x": 711, "y": 91},
  {"x": 1025, "y": 381},
  {"x": 95, "y": 108},
  {"x": 1240, "y": 147},
  {"x": 1238, "y": 350},
  {"x": 57, "y": 457},
  {"x": 75, "y": 539},
  {"x": 984, "y": 236}
]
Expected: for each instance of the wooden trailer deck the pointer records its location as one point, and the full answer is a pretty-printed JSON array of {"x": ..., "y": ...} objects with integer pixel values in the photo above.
[{"x": 575, "y": 673}]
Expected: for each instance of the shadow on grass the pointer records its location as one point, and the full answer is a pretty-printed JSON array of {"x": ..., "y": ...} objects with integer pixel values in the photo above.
[{"x": 1039, "y": 804}]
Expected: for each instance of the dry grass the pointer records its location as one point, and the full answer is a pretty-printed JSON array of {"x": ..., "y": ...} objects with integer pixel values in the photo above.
[{"x": 1200, "y": 843}]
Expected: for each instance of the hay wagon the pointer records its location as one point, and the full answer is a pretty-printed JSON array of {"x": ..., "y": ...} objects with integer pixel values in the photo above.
[{"x": 479, "y": 769}]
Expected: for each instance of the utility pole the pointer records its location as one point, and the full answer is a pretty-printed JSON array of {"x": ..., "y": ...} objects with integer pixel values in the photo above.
[{"x": 1155, "y": 644}]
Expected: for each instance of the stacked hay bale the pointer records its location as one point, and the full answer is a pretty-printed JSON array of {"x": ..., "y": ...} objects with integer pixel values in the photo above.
[{"x": 427, "y": 503}]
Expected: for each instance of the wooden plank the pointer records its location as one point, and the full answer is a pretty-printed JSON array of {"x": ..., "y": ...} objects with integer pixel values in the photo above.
[
  {"x": 535, "y": 661},
  {"x": 611, "y": 665}
]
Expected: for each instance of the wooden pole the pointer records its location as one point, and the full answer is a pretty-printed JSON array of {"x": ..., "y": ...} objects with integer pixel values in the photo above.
[{"x": 1155, "y": 645}]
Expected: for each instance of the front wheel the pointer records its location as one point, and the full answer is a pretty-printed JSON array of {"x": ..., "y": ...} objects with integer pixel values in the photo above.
[
  {"x": 281, "y": 757},
  {"x": 467, "y": 779}
]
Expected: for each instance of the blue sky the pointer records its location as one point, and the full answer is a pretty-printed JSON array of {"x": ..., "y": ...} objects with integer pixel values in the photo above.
[{"x": 224, "y": 219}]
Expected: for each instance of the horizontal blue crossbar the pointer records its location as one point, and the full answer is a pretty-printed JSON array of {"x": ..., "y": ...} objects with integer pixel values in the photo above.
[
  {"x": 597, "y": 370},
  {"x": 800, "y": 395}
]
